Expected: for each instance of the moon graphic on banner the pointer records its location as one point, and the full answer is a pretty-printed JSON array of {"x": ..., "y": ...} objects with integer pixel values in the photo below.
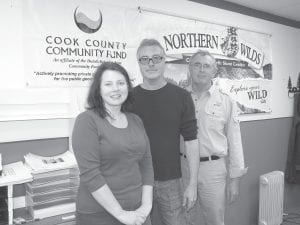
[{"x": 88, "y": 18}]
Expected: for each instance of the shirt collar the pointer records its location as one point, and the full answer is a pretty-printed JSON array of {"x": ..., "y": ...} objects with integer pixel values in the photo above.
[{"x": 210, "y": 91}]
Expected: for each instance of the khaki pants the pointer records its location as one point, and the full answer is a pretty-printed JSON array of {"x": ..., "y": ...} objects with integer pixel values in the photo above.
[{"x": 210, "y": 206}]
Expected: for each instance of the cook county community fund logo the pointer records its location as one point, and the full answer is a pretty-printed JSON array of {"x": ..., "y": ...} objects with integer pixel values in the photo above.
[{"x": 88, "y": 18}]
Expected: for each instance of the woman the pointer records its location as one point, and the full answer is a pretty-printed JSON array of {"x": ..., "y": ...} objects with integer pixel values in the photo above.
[{"x": 113, "y": 154}]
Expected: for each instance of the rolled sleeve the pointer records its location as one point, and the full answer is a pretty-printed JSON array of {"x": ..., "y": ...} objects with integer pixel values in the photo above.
[
  {"x": 235, "y": 148},
  {"x": 188, "y": 126},
  {"x": 86, "y": 149},
  {"x": 237, "y": 172}
]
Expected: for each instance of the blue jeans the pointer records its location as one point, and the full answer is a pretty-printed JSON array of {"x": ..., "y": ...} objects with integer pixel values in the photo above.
[{"x": 168, "y": 198}]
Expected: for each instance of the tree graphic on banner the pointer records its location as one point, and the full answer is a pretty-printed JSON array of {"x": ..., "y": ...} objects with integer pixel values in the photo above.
[
  {"x": 289, "y": 84},
  {"x": 292, "y": 90}
]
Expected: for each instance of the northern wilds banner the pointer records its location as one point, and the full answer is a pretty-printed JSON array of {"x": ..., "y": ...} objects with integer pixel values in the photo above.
[
  {"x": 65, "y": 41},
  {"x": 243, "y": 57}
]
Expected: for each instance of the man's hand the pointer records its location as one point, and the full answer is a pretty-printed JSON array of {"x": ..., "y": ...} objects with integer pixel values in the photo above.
[
  {"x": 192, "y": 155},
  {"x": 233, "y": 190},
  {"x": 190, "y": 196}
]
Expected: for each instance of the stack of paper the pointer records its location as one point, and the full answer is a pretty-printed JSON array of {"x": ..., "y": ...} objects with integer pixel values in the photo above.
[
  {"x": 54, "y": 186},
  {"x": 40, "y": 164}
]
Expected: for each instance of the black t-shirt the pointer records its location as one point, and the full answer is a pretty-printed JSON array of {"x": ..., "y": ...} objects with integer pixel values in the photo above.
[{"x": 167, "y": 113}]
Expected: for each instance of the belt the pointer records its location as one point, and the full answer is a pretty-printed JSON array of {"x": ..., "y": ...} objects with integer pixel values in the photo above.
[
  {"x": 212, "y": 157},
  {"x": 203, "y": 159}
]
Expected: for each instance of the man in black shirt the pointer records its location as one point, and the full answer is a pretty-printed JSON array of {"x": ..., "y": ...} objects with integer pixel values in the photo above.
[{"x": 167, "y": 112}]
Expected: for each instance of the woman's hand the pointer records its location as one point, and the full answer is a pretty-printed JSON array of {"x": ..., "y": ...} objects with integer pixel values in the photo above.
[
  {"x": 131, "y": 218},
  {"x": 144, "y": 210}
]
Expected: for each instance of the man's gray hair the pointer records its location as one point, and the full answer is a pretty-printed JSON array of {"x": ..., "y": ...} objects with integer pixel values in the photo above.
[
  {"x": 149, "y": 42},
  {"x": 203, "y": 53}
]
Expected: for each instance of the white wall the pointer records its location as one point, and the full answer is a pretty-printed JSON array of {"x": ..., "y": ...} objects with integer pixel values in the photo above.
[{"x": 35, "y": 113}]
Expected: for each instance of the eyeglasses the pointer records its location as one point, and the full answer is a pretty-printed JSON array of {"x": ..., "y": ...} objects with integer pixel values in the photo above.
[
  {"x": 145, "y": 60},
  {"x": 199, "y": 66}
]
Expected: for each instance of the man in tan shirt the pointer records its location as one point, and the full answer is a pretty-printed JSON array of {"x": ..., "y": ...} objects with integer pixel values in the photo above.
[{"x": 219, "y": 139}]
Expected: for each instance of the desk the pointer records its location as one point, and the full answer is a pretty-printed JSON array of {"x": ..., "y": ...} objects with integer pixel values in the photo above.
[{"x": 13, "y": 173}]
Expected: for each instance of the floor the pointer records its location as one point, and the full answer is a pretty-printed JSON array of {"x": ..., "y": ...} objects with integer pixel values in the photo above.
[
  {"x": 291, "y": 219},
  {"x": 291, "y": 204}
]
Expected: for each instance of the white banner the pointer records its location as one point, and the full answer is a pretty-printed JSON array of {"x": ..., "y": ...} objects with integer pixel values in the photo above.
[
  {"x": 243, "y": 57},
  {"x": 65, "y": 41}
]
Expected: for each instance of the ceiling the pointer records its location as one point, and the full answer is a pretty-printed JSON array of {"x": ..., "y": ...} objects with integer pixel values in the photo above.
[
  {"x": 285, "y": 12},
  {"x": 289, "y": 9}
]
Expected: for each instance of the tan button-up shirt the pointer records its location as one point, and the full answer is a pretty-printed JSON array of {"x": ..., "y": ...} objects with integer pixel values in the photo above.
[{"x": 219, "y": 129}]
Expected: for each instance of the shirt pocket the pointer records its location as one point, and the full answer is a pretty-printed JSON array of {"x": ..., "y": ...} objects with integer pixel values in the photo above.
[{"x": 215, "y": 116}]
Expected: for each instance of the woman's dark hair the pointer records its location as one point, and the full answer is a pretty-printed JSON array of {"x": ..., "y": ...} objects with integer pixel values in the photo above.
[{"x": 94, "y": 99}]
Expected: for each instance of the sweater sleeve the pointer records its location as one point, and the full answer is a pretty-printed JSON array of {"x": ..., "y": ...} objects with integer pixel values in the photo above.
[
  {"x": 188, "y": 126},
  {"x": 86, "y": 149},
  {"x": 145, "y": 164}
]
